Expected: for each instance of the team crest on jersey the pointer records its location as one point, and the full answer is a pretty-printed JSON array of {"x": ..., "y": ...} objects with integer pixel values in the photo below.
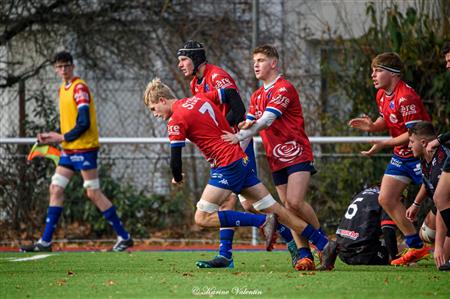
[
  {"x": 287, "y": 151},
  {"x": 269, "y": 94},
  {"x": 391, "y": 105},
  {"x": 206, "y": 87},
  {"x": 393, "y": 118}
]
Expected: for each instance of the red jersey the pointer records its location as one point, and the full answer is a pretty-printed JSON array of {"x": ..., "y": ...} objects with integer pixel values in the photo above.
[
  {"x": 401, "y": 110},
  {"x": 213, "y": 78},
  {"x": 285, "y": 140},
  {"x": 200, "y": 121}
]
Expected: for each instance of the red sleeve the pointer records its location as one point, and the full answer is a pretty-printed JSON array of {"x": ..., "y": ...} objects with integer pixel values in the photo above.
[
  {"x": 213, "y": 96},
  {"x": 177, "y": 131},
  {"x": 380, "y": 93},
  {"x": 81, "y": 95}
]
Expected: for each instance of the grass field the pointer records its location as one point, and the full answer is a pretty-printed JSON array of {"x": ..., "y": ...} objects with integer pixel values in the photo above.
[{"x": 173, "y": 275}]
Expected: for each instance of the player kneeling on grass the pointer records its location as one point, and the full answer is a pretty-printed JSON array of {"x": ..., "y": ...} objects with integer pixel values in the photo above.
[
  {"x": 434, "y": 157},
  {"x": 202, "y": 123},
  {"x": 358, "y": 234}
]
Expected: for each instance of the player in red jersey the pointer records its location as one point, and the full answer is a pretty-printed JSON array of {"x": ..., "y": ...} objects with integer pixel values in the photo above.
[
  {"x": 201, "y": 122},
  {"x": 207, "y": 78},
  {"x": 276, "y": 114},
  {"x": 399, "y": 108}
]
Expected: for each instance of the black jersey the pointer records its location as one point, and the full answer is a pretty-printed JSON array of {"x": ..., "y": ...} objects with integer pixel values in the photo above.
[
  {"x": 360, "y": 229},
  {"x": 431, "y": 171}
]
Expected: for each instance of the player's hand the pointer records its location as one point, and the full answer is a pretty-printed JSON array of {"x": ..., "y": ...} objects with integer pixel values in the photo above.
[
  {"x": 246, "y": 124},
  {"x": 432, "y": 145},
  {"x": 363, "y": 123},
  {"x": 377, "y": 146},
  {"x": 229, "y": 137},
  {"x": 180, "y": 183},
  {"x": 50, "y": 137},
  {"x": 439, "y": 256},
  {"x": 411, "y": 213}
]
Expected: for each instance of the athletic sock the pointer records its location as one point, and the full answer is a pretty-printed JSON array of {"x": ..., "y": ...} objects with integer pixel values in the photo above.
[
  {"x": 292, "y": 247},
  {"x": 305, "y": 252},
  {"x": 315, "y": 237},
  {"x": 233, "y": 219},
  {"x": 446, "y": 217},
  {"x": 53, "y": 214},
  {"x": 111, "y": 216},
  {"x": 226, "y": 242},
  {"x": 284, "y": 232},
  {"x": 413, "y": 241}
]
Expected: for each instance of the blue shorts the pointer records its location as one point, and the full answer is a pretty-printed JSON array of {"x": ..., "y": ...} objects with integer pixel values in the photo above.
[
  {"x": 79, "y": 161},
  {"x": 235, "y": 177},
  {"x": 250, "y": 152},
  {"x": 408, "y": 170},
  {"x": 280, "y": 177}
]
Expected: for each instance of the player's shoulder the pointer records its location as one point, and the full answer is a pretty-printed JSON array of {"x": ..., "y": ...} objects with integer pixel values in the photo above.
[{"x": 406, "y": 92}]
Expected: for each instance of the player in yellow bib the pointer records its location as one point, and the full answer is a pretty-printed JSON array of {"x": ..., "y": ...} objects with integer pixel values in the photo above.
[{"x": 78, "y": 137}]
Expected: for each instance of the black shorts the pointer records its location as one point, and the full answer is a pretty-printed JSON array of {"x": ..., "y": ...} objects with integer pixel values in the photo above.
[{"x": 377, "y": 257}]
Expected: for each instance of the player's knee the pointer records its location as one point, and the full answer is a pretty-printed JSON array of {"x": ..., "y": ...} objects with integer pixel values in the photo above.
[
  {"x": 204, "y": 210},
  {"x": 386, "y": 203},
  {"x": 264, "y": 203},
  {"x": 59, "y": 181}
]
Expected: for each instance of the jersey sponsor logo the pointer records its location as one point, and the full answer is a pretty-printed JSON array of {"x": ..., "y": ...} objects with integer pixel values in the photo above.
[
  {"x": 173, "y": 130},
  {"x": 76, "y": 158},
  {"x": 349, "y": 234},
  {"x": 287, "y": 151},
  {"x": 396, "y": 163},
  {"x": 280, "y": 100},
  {"x": 81, "y": 95},
  {"x": 393, "y": 118},
  {"x": 223, "y": 83},
  {"x": 408, "y": 110}
]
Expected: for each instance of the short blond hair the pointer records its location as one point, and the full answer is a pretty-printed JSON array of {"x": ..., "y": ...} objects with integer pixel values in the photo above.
[{"x": 155, "y": 90}]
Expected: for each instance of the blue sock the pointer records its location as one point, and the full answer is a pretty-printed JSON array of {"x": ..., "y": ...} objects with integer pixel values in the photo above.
[
  {"x": 285, "y": 233},
  {"x": 111, "y": 215},
  {"x": 305, "y": 252},
  {"x": 413, "y": 241},
  {"x": 53, "y": 214},
  {"x": 315, "y": 237},
  {"x": 226, "y": 242},
  {"x": 233, "y": 219}
]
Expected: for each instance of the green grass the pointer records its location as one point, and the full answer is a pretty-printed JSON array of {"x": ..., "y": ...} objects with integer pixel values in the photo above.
[{"x": 173, "y": 275}]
